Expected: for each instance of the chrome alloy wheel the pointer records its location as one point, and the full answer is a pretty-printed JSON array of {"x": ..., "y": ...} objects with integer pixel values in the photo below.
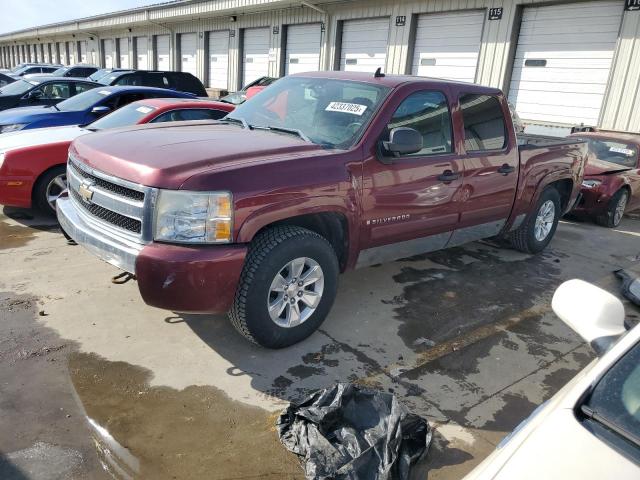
[
  {"x": 295, "y": 292},
  {"x": 544, "y": 220},
  {"x": 620, "y": 207},
  {"x": 55, "y": 188}
]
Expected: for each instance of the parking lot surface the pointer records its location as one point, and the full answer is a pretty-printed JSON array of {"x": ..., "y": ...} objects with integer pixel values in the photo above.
[{"x": 96, "y": 384}]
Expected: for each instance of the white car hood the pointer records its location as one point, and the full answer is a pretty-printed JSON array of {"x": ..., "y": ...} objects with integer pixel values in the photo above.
[{"x": 39, "y": 136}]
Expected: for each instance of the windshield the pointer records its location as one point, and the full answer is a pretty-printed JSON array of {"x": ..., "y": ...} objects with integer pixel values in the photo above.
[
  {"x": 620, "y": 153},
  {"x": 19, "y": 87},
  {"x": 329, "y": 112},
  {"x": 60, "y": 72},
  {"x": 127, "y": 115},
  {"x": 83, "y": 101},
  {"x": 99, "y": 74}
]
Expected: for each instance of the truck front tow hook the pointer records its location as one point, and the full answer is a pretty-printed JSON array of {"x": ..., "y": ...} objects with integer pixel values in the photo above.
[{"x": 122, "y": 278}]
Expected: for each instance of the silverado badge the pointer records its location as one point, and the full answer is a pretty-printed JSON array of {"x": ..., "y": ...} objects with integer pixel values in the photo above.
[{"x": 85, "y": 191}]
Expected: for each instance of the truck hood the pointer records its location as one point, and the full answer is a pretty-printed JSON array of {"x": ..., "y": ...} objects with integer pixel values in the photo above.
[
  {"x": 39, "y": 136},
  {"x": 165, "y": 156},
  {"x": 600, "y": 167}
]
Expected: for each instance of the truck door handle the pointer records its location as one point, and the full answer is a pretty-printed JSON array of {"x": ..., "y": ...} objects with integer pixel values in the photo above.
[
  {"x": 448, "y": 176},
  {"x": 506, "y": 169}
]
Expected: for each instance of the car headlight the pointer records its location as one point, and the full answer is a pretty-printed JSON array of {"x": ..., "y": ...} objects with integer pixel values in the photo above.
[
  {"x": 12, "y": 128},
  {"x": 591, "y": 183},
  {"x": 193, "y": 217}
]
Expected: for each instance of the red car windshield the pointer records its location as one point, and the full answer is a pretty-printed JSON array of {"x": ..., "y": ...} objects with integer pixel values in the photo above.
[
  {"x": 328, "y": 112},
  {"x": 614, "y": 151},
  {"x": 128, "y": 115}
]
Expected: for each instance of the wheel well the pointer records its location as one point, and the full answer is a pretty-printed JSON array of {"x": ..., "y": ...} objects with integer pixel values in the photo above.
[
  {"x": 564, "y": 188},
  {"x": 331, "y": 225},
  {"x": 37, "y": 181}
]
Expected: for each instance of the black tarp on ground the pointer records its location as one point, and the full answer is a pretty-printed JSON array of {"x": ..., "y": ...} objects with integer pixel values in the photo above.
[{"x": 350, "y": 432}]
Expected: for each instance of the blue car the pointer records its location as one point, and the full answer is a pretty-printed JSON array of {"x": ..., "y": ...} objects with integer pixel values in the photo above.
[{"x": 81, "y": 109}]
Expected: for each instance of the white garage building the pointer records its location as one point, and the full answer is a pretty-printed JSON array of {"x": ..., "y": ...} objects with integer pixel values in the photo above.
[{"x": 561, "y": 63}]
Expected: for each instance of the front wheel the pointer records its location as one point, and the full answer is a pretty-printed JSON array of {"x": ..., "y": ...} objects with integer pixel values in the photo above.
[
  {"x": 615, "y": 210},
  {"x": 48, "y": 187},
  {"x": 540, "y": 225},
  {"x": 287, "y": 287}
]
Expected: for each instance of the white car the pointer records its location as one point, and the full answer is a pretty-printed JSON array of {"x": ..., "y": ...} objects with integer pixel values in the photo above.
[{"x": 589, "y": 430}]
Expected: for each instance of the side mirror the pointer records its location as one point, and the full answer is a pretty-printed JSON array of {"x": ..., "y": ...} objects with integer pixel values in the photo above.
[
  {"x": 100, "y": 110},
  {"x": 591, "y": 312},
  {"x": 34, "y": 95},
  {"x": 402, "y": 141}
]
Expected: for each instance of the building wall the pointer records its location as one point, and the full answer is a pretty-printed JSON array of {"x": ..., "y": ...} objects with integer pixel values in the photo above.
[{"x": 621, "y": 109}]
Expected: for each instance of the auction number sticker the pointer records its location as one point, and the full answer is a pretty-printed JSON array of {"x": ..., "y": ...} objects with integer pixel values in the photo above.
[
  {"x": 144, "y": 109},
  {"x": 104, "y": 92},
  {"x": 623, "y": 151},
  {"x": 344, "y": 107}
]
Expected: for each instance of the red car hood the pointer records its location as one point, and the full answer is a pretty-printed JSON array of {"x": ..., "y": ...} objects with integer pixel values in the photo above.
[
  {"x": 165, "y": 156},
  {"x": 600, "y": 167}
]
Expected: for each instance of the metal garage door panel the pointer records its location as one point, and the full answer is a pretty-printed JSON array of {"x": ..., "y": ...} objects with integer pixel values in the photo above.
[
  {"x": 188, "y": 53},
  {"x": 563, "y": 60},
  {"x": 83, "y": 52},
  {"x": 303, "y": 48},
  {"x": 162, "y": 52},
  {"x": 62, "y": 53},
  {"x": 72, "y": 53},
  {"x": 219, "y": 59},
  {"x": 255, "y": 59},
  {"x": 447, "y": 45},
  {"x": 123, "y": 52},
  {"x": 108, "y": 53},
  {"x": 142, "y": 53},
  {"x": 364, "y": 44}
]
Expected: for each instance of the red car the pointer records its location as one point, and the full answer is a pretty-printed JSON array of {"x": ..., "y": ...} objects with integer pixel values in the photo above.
[
  {"x": 33, "y": 162},
  {"x": 320, "y": 173},
  {"x": 611, "y": 182}
]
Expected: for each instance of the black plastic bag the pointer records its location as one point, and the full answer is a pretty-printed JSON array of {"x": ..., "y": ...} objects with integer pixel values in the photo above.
[{"x": 350, "y": 432}]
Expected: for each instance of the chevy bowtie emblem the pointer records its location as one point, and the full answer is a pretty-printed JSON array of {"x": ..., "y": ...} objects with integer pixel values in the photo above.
[{"x": 85, "y": 192}]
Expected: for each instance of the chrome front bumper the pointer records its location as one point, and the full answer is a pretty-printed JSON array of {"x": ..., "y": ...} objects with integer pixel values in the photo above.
[{"x": 116, "y": 251}]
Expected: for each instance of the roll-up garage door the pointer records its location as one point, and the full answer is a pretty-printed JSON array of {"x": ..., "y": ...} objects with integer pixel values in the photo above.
[
  {"x": 562, "y": 61},
  {"x": 107, "y": 49},
  {"x": 62, "y": 53},
  {"x": 188, "y": 52},
  {"x": 72, "y": 53},
  {"x": 123, "y": 52},
  {"x": 162, "y": 52},
  {"x": 255, "y": 57},
  {"x": 142, "y": 55},
  {"x": 83, "y": 52},
  {"x": 364, "y": 44},
  {"x": 303, "y": 48},
  {"x": 447, "y": 45},
  {"x": 218, "y": 59}
]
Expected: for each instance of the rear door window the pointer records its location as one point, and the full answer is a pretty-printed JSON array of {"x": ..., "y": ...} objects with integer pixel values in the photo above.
[
  {"x": 157, "y": 80},
  {"x": 484, "y": 125},
  {"x": 57, "y": 91}
]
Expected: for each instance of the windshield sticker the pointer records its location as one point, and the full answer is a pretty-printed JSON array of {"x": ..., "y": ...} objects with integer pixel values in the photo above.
[
  {"x": 343, "y": 107},
  {"x": 144, "y": 109},
  {"x": 104, "y": 92},
  {"x": 623, "y": 151}
]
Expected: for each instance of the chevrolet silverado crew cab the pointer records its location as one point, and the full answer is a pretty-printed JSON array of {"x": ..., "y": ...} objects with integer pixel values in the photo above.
[{"x": 258, "y": 213}]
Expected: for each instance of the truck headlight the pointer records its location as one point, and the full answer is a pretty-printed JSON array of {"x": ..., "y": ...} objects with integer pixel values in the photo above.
[
  {"x": 193, "y": 217},
  {"x": 12, "y": 128},
  {"x": 591, "y": 183}
]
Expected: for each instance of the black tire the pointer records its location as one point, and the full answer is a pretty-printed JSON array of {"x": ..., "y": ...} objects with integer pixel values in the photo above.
[
  {"x": 269, "y": 252},
  {"x": 609, "y": 219},
  {"x": 41, "y": 189},
  {"x": 524, "y": 238}
]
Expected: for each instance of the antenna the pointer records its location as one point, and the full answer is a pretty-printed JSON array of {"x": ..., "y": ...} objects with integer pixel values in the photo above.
[{"x": 378, "y": 73}]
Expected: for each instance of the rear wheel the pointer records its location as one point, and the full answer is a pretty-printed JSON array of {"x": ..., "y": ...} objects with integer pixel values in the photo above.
[
  {"x": 615, "y": 210},
  {"x": 48, "y": 187},
  {"x": 540, "y": 225},
  {"x": 287, "y": 287}
]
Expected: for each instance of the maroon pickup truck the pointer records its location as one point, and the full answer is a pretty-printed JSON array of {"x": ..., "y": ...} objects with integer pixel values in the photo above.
[{"x": 320, "y": 173}]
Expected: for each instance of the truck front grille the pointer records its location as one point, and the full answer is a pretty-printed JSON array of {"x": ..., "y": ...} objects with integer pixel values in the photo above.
[
  {"x": 108, "y": 216},
  {"x": 121, "y": 208}
]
